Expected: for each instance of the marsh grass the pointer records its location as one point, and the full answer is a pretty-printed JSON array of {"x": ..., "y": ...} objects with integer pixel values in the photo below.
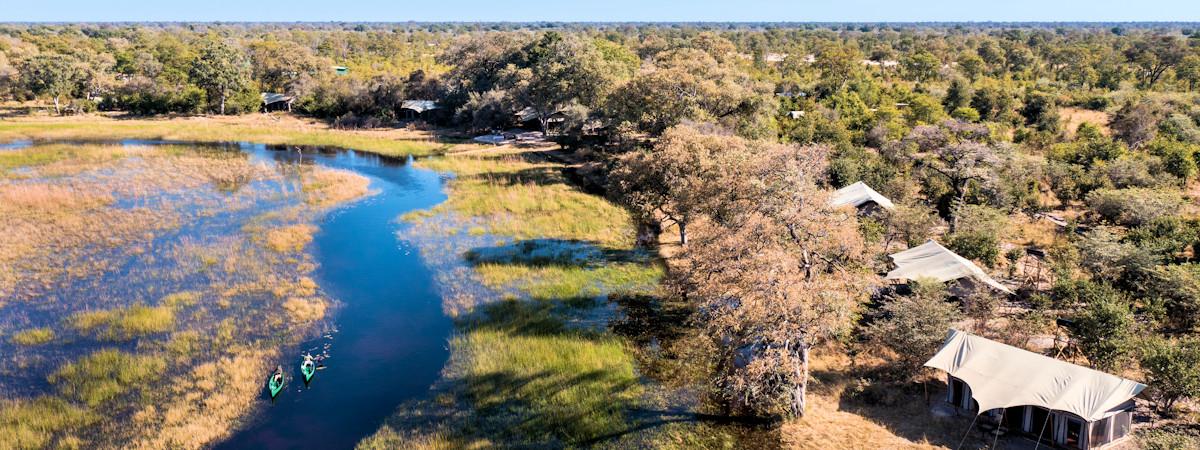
[
  {"x": 34, "y": 424},
  {"x": 290, "y": 239},
  {"x": 33, "y": 336},
  {"x": 523, "y": 372},
  {"x": 225, "y": 130},
  {"x": 106, "y": 374},
  {"x": 160, "y": 248},
  {"x": 125, "y": 323}
]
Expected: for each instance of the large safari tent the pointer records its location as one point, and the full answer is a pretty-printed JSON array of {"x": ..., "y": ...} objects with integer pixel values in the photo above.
[{"x": 1053, "y": 401}]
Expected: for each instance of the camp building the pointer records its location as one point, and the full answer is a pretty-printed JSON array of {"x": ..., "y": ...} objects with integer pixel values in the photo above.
[{"x": 1053, "y": 401}]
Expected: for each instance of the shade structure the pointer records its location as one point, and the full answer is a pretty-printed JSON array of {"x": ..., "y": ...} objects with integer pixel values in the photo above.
[
  {"x": 931, "y": 260},
  {"x": 1001, "y": 376},
  {"x": 858, "y": 194}
]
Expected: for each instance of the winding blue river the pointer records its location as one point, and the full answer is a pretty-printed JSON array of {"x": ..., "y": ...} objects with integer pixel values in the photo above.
[{"x": 391, "y": 338}]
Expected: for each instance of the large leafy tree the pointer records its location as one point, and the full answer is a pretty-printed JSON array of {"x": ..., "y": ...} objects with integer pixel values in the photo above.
[
  {"x": 221, "y": 70},
  {"x": 53, "y": 75}
]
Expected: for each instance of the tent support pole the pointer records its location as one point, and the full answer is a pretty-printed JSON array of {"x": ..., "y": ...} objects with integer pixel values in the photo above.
[
  {"x": 998, "y": 425},
  {"x": 1038, "y": 443}
]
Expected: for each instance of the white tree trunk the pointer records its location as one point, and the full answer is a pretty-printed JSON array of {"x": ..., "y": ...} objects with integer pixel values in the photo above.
[
  {"x": 222, "y": 103},
  {"x": 57, "y": 108}
]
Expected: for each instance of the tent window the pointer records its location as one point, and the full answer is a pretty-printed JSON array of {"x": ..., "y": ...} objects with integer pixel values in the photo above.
[
  {"x": 1041, "y": 424},
  {"x": 1121, "y": 424},
  {"x": 1074, "y": 438},
  {"x": 1099, "y": 435}
]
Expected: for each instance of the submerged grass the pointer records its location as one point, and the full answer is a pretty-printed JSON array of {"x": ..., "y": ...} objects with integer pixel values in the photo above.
[
  {"x": 552, "y": 282},
  {"x": 125, "y": 323},
  {"x": 33, "y": 336},
  {"x": 106, "y": 374},
  {"x": 34, "y": 424}
]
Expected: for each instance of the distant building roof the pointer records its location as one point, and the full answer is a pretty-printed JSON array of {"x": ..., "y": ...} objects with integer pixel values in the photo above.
[
  {"x": 419, "y": 106},
  {"x": 270, "y": 97},
  {"x": 857, "y": 194},
  {"x": 931, "y": 260}
]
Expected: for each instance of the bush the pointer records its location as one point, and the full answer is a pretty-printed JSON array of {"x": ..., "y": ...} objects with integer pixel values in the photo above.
[
  {"x": 977, "y": 233},
  {"x": 914, "y": 327},
  {"x": 1104, "y": 331},
  {"x": 1159, "y": 439},
  {"x": 1172, "y": 370},
  {"x": 966, "y": 113},
  {"x": 1178, "y": 288},
  {"x": 1133, "y": 206}
]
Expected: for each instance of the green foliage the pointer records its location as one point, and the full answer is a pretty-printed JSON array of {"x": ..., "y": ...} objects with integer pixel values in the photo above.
[
  {"x": 1133, "y": 206},
  {"x": 1105, "y": 332},
  {"x": 1178, "y": 158},
  {"x": 976, "y": 233},
  {"x": 965, "y": 113},
  {"x": 914, "y": 327},
  {"x": 1178, "y": 288},
  {"x": 106, "y": 374},
  {"x": 222, "y": 70},
  {"x": 1159, "y": 439},
  {"x": 1172, "y": 370}
]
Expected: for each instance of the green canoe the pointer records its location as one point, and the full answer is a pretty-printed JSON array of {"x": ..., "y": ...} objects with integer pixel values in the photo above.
[
  {"x": 275, "y": 383},
  {"x": 308, "y": 368}
]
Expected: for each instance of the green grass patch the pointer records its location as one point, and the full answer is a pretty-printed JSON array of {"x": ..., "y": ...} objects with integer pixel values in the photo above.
[
  {"x": 106, "y": 374},
  {"x": 511, "y": 197},
  {"x": 531, "y": 377},
  {"x": 125, "y": 323},
  {"x": 33, "y": 424},
  {"x": 213, "y": 131},
  {"x": 565, "y": 282},
  {"x": 181, "y": 299},
  {"x": 33, "y": 336}
]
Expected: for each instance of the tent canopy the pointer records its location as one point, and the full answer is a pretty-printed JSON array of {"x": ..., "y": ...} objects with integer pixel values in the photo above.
[
  {"x": 1002, "y": 376},
  {"x": 857, "y": 194},
  {"x": 931, "y": 260}
]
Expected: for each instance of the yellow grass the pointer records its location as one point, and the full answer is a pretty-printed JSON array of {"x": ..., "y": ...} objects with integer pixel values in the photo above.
[
  {"x": 304, "y": 310},
  {"x": 290, "y": 239},
  {"x": 273, "y": 129},
  {"x": 33, "y": 336},
  {"x": 204, "y": 406},
  {"x": 1073, "y": 117}
]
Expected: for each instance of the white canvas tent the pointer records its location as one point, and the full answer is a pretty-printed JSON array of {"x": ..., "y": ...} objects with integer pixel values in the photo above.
[
  {"x": 858, "y": 194},
  {"x": 1001, "y": 376},
  {"x": 931, "y": 260}
]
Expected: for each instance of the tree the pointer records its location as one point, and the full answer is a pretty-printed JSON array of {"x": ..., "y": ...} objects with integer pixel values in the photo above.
[
  {"x": 1153, "y": 56},
  {"x": 922, "y": 66},
  {"x": 1136, "y": 123},
  {"x": 554, "y": 72},
  {"x": 221, "y": 70},
  {"x": 958, "y": 95},
  {"x": 976, "y": 233},
  {"x": 1177, "y": 287},
  {"x": 913, "y": 327},
  {"x": 53, "y": 75},
  {"x": 670, "y": 183},
  {"x": 776, "y": 272},
  {"x": 1172, "y": 369},
  {"x": 912, "y": 225},
  {"x": 1104, "y": 331}
]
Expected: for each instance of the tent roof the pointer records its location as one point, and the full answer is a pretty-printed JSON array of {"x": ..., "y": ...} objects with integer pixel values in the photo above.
[
  {"x": 271, "y": 97},
  {"x": 858, "y": 193},
  {"x": 1001, "y": 376},
  {"x": 931, "y": 260},
  {"x": 419, "y": 106}
]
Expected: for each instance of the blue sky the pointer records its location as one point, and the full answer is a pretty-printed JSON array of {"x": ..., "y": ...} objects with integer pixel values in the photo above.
[{"x": 611, "y": 10}]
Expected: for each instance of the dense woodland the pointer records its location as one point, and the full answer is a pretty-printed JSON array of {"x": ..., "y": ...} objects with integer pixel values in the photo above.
[{"x": 1063, "y": 159}]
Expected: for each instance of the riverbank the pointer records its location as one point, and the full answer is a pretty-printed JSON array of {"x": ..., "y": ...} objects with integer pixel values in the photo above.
[
  {"x": 270, "y": 129},
  {"x": 562, "y": 336}
]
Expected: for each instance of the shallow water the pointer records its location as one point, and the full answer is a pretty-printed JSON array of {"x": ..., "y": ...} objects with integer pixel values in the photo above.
[
  {"x": 391, "y": 338},
  {"x": 386, "y": 340}
]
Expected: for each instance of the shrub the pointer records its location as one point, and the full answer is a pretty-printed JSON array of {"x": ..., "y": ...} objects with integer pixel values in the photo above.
[
  {"x": 1159, "y": 439},
  {"x": 966, "y": 113},
  {"x": 1178, "y": 288},
  {"x": 1172, "y": 370},
  {"x": 914, "y": 327},
  {"x": 1133, "y": 206},
  {"x": 977, "y": 233},
  {"x": 1104, "y": 331}
]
